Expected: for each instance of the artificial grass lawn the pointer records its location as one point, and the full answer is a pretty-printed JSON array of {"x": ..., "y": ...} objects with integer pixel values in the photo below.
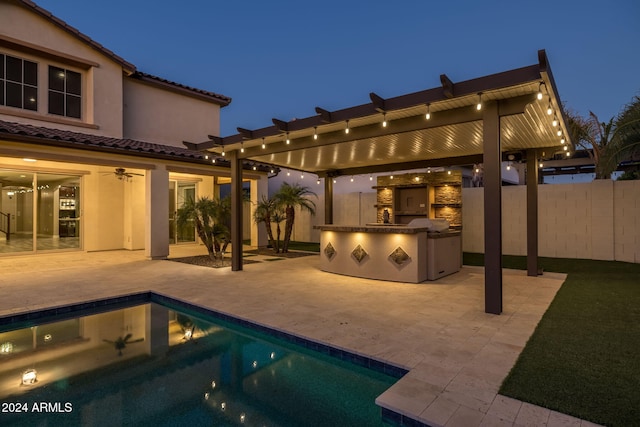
[{"x": 583, "y": 359}]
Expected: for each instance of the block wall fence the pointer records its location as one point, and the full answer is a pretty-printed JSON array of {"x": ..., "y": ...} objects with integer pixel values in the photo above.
[{"x": 597, "y": 220}]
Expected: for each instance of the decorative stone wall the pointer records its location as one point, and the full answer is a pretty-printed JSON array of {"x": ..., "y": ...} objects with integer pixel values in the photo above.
[
  {"x": 448, "y": 194},
  {"x": 445, "y": 189}
]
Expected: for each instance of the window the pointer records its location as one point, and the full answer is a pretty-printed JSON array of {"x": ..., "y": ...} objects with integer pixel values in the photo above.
[
  {"x": 18, "y": 83},
  {"x": 65, "y": 92}
]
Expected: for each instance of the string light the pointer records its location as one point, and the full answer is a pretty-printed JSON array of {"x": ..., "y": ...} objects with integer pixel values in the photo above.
[
  {"x": 301, "y": 176},
  {"x": 549, "y": 109},
  {"x": 559, "y": 133},
  {"x": 223, "y": 153},
  {"x": 318, "y": 181},
  {"x": 384, "y": 120},
  {"x": 254, "y": 167},
  {"x": 213, "y": 160},
  {"x": 479, "y": 104},
  {"x": 347, "y": 128},
  {"x": 539, "y": 95},
  {"x": 288, "y": 140},
  {"x": 315, "y": 132},
  {"x": 351, "y": 179},
  {"x": 562, "y": 141},
  {"x": 242, "y": 147},
  {"x": 206, "y": 157},
  {"x": 565, "y": 148},
  {"x": 555, "y": 121},
  {"x": 428, "y": 115},
  {"x": 370, "y": 177},
  {"x": 263, "y": 144}
]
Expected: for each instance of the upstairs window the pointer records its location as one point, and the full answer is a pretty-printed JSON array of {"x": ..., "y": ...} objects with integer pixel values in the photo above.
[
  {"x": 18, "y": 83},
  {"x": 65, "y": 92}
]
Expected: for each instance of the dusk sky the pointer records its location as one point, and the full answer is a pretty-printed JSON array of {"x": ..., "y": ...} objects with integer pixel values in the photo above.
[{"x": 283, "y": 58}]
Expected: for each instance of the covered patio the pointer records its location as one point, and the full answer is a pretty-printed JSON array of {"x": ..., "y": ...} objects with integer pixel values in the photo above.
[{"x": 515, "y": 115}]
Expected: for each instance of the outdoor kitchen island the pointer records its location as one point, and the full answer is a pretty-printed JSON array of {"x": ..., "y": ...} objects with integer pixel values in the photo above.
[{"x": 394, "y": 252}]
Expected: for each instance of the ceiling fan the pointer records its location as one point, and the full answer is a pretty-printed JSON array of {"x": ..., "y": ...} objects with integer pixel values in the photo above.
[{"x": 123, "y": 175}]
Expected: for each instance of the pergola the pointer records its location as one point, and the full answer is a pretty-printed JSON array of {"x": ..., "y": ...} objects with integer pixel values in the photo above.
[{"x": 515, "y": 114}]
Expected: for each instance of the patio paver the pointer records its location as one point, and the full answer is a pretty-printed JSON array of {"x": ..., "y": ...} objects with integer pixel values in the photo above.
[{"x": 457, "y": 355}]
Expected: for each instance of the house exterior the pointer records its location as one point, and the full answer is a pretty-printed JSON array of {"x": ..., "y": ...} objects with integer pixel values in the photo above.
[{"x": 91, "y": 149}]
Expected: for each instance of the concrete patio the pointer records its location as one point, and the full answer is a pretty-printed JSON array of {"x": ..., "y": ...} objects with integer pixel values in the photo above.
[{"x": 457, "y": 355}]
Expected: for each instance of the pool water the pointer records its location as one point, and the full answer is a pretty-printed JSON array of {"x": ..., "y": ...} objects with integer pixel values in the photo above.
[{"x": 175, "y": 369}]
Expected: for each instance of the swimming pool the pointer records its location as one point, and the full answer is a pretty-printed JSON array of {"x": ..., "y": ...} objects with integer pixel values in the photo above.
[{"x": 146, "y": 359}]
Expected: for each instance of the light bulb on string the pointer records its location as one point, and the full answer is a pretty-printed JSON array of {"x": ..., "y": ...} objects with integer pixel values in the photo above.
[
  {"x": 479, "y": 104},
  {"x": 384, "y": 120},
  {"x": 428, "y": 115},
  {"x": 315, "y": 132},
  {"x": 346, "y": 130},
  {"x": 263, "y": 144}
]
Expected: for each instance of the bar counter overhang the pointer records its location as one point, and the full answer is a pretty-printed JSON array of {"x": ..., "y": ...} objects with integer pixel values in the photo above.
[{"x": 397, "y": 253}]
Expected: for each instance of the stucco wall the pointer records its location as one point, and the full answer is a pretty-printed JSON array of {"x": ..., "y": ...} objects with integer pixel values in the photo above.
[
  {"x": 157, "y": 115},
  {"x": 101, "y": 86}
]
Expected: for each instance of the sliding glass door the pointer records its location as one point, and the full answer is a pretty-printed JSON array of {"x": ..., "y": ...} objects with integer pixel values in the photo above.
[{"x": 42, "y": 211}]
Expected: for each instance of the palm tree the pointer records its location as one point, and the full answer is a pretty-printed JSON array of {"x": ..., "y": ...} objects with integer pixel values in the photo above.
[
  {"x": 608, "y": 143},
  {"x": 292, "y": 196},
  {"x": 278, "y": 217},
  {"x": 263, "y": 213},
  {"x": 209, "y": 217}
]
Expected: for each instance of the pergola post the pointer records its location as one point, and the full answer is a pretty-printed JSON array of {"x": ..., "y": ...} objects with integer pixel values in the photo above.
[
  {"x": 532, "y": 213},
  {"x": 492, "y": 209},
  {"x": 236, "y": 210},
  {"x": 328, "y": 200}
]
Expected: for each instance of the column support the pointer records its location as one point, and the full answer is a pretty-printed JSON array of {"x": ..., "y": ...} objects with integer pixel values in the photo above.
[
  {"x": 328, "y": 200},
  {"x": 236, "y": 210},
  {"x": 156, "y": 213},
  {"x": 492, "y": 209},
  {"x": 532, "y": 213}
]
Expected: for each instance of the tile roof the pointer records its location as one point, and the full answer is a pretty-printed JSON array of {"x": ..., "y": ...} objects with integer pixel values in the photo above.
[
  {"x": 62, "y": 138},
  {"x": 216, "y": 97},
  {"x": 49, "y": 136},
  {"x": 76, "y": 33}
]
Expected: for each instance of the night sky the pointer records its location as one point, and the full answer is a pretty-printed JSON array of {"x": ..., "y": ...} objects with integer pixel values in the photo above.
[{"x": 283, "y": 58}]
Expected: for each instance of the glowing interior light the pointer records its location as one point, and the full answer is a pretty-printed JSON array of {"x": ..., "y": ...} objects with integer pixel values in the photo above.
[
  {"x": 477, "y": 170},
  {"x": 29, "y": 376}
]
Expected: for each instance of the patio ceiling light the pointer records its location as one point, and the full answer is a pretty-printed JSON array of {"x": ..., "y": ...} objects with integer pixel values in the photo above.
[
  {"x": 479, "y": 104},
  {"x": 263, "y": 144},
  {"x": 428, "y": 115},
  {"x": 288, "y": 141},
  {"x": 242, "y": 146},
  {"x": 347, "y": 128},
  {"x": 315, "y": 132},
  {"x": 384, "y": 120}
]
